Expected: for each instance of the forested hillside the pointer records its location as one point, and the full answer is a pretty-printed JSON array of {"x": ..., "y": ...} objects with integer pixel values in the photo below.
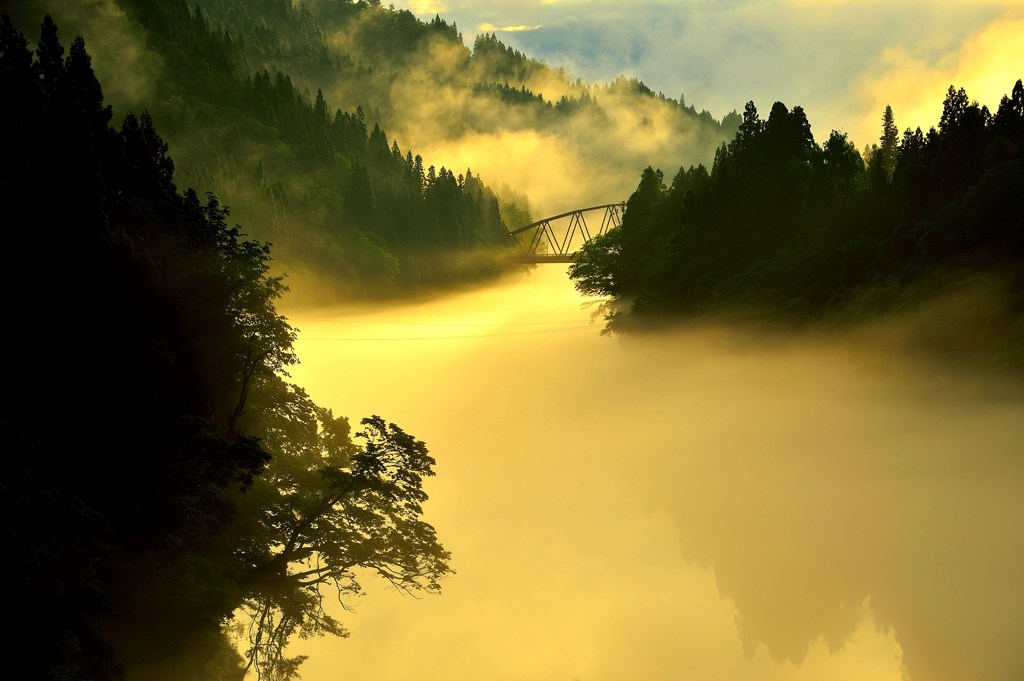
[
  {"x": 782, "y": 228},
  {"x": 292, "y": 113},
  {"x": 158, "y": 472}
]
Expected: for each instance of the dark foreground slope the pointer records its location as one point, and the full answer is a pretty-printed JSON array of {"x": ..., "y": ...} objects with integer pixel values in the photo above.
[{"x": 157, "y": 473}]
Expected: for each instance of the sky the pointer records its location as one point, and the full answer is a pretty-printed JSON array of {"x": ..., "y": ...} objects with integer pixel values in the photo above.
[{"x": 842, "y": 60}]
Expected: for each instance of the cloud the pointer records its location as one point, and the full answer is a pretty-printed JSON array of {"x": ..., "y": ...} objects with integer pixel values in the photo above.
[
  {"x": 841, "y": 60},
  {"x": 427, "y": 7},
  {"x": 560, "y": 162},
  {"x": 489, "y": 28},
  {"x": 986, "y": 65}
]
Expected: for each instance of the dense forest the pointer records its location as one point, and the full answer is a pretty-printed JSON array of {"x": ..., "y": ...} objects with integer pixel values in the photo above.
[
  {"x": 291, "y": 113},
  {"x": 160, "y": 478},
  {"x": 327, "y": 187},
  {"x": 781, "y": 228}
]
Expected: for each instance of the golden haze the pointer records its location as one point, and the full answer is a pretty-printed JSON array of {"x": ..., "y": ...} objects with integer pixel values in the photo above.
[{"x": 707, "y": 504}]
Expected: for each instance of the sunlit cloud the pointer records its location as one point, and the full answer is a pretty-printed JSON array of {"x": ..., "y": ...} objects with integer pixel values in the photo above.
[
  {"x": 986, "y": 66},
  {"x": 491, "y": 28},
  {"x": 427, "y": 7},
  {"x": 842, "y": 60}
]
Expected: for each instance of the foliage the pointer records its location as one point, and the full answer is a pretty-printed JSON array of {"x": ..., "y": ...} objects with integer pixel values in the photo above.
[
  {"x": 159, "y": 473},
  {"x": 784, "y": 228},
  {"x": 324, "y": 511},
  {"x": 288, "y": 111}
]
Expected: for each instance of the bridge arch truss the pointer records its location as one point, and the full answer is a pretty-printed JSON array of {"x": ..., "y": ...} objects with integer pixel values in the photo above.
[{"x": 563, "y": 243}]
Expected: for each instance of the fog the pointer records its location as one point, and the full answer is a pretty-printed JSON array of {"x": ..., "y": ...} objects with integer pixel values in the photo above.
[
  {"x": 591, "y": 157},
  {"x": 117, "y": 45},
  {"x": 561, "y": 161},
  {"x": 708, "y": 503},
  {"x": 843, "y": 61}
]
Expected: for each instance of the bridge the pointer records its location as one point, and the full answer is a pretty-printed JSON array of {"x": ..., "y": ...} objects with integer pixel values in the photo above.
[{"x": 540, "y": 242}]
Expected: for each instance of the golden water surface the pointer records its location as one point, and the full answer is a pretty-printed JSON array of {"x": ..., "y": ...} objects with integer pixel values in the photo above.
[{"x": 703, "y": 504}]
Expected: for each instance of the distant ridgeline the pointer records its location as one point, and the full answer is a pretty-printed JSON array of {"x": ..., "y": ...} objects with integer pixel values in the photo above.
[
  {"x": 784, "y": 228},
  {"x": 243, "y": 91},
  {"x": 157, "y": 472}
]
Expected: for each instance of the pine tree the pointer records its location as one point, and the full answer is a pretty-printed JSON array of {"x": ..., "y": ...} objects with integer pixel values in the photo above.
[{"x": 889, "y": 142}]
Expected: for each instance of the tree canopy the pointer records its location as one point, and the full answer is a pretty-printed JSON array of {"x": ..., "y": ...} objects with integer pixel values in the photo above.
[
  {"x": 159, "y": 471},
  {"x": 782, "y": 228},
  {"x": 298, "y": 114}
]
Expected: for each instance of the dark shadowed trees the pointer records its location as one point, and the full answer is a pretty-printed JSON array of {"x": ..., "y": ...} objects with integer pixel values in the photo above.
[
  {"x": 785, "y": 229},
  {"x": 158, "y": 472}
]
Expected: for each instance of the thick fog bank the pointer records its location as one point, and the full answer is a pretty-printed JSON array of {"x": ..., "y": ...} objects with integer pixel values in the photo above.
[{"x": 696, "y": 504}]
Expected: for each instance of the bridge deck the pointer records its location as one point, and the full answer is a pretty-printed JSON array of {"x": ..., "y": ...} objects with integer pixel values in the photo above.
[{"x": 540, "y": 259}]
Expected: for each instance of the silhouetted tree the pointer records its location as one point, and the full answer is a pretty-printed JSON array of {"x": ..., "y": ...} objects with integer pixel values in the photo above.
[
  {"x": 149, "y": 444},
  {"x": 888, "y": 142}
]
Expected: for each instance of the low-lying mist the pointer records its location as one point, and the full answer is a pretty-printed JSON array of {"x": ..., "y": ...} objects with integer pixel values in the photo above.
[
  {"x": 561, "y": 160},
  {"x": 700, "y": 503},
  {"x": 588, "y": 158}
]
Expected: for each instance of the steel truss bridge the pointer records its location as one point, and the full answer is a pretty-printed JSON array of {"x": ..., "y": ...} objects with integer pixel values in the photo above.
[{"x": 541, "y": 242}]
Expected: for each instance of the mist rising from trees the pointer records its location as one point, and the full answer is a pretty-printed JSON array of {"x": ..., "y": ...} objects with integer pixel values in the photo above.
[
  {"x": 294, "y": 115},
  {"x": 782, "y": 228}
]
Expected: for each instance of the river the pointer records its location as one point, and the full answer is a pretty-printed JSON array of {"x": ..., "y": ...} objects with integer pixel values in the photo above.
[{"x": 705, "y": 504}]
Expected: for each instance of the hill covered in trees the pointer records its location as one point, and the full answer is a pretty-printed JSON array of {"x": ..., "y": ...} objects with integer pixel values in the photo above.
[
  {"x": 292, "y": 113},
  {"x": 158, "y": 471},
  {"x": 782, "y": 228}
]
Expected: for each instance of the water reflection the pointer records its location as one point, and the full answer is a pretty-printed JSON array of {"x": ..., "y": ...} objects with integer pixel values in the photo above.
[{"x": 700, "y": 505}]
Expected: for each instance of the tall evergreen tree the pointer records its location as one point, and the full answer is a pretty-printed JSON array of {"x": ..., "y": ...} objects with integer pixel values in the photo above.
[{"x": 889, "y": 142}]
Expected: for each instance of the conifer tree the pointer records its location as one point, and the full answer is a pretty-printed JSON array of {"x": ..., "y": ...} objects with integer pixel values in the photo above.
[{"x": 889, "y": 142}]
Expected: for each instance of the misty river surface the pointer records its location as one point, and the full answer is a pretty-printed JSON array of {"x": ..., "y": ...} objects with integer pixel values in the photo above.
[{"x": 702, "y": 504}]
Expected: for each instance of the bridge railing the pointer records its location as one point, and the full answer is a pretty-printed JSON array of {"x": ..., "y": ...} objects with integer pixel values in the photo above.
[{"x": 564, "y": 242}]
